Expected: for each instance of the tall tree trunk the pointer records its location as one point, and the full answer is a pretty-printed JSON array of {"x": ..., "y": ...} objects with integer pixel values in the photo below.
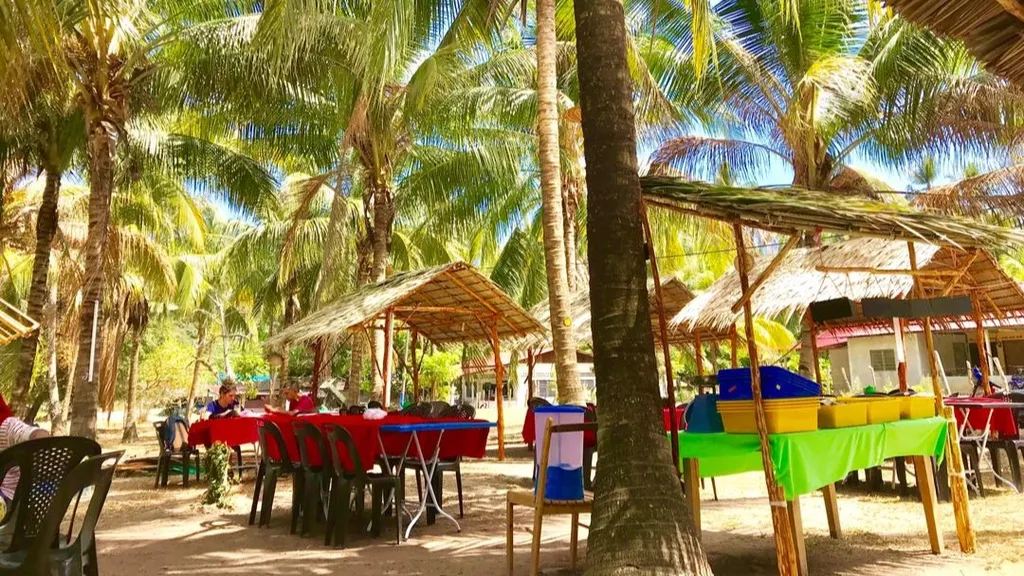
[
  {"x": 131, "y": 433},
  {"x": 196, "y": 367},
  {"x": 640, "y": 523},
  {"x": 570, "y": 206},
  {"x": 559, "y": 298},
  {"x": 289, "y": 317},
  {"x": 225, "y": 342},
  {"x": 69, "y": 391},
  {"x": 50, "y": 325},
  {"x": 360, "y": 346},
  {"x": 383, "y": 218},
  {"x": 101, "y": 145},
  {"x": 46, "y": 227}
]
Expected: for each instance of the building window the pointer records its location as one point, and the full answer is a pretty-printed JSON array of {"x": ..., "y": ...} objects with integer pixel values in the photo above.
[{"x": 883, "y": 360}]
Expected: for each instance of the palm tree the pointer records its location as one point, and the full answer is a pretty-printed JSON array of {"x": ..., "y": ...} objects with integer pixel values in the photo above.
[{"x": 639, "y": 467}]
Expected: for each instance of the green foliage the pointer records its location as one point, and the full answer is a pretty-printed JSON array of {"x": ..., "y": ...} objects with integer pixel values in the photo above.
[
  {"x": 248, "y": 360},
  {"x": 440, "y": 369},
  {"x": 165, "y": 367},
  {"x": 218, "y": 490}
]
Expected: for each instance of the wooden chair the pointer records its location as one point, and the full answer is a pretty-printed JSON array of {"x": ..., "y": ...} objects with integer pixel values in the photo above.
[{"x": 543, "y": 507}]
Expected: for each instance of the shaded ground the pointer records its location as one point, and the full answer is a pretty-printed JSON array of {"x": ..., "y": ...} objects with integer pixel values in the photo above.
[{"x": 167, "y": 532}]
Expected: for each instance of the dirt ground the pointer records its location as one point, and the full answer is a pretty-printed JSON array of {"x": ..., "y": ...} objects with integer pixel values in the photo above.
[{"x": 144, "y": 531}]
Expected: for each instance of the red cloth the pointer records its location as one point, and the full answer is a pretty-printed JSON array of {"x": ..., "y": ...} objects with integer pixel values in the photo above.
[
  {"x": 589, "y": 438},
  {"x": 1003, "y": 421},
  {"x": 455, "y": 443},
  {"x": 5, "y": 411},
  {"x": 230, "y": 431}
]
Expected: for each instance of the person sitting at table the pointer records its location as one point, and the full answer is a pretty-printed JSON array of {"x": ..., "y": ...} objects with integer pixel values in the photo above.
[
  {"x": 14, "y": 431},
  {"x": 297, "y": 403},
  {"x": 226, "y": 405}
]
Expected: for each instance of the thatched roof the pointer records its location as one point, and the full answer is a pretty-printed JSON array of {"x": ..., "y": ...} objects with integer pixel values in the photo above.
[
  {"x": 447, "y": 304},
  {"x": 808, "y": 275},
  {"x": 676, "y": 295},
  {"x": 993, "y": 30},
  {"x": 792, "y": 211},
  {"x": 14, "y": 324}
]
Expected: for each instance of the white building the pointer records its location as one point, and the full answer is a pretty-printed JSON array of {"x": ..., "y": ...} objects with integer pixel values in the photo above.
[{"x": 478, "y": 387}]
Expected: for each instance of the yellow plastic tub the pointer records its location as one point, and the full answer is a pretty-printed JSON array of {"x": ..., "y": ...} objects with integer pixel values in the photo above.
[
  {"x": 781, "y": 416},
  {"x": 914, "y": 407},
  {"x": 881, "y": 409},
  {"x": 843, "y": 415}
]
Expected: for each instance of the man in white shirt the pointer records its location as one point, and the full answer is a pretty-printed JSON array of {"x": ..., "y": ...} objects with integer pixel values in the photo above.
[{"x": 14, "y": 431}]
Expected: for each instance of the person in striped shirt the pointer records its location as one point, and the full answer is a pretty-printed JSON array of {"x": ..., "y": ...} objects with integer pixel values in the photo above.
[{"x": 14, "y": 431}]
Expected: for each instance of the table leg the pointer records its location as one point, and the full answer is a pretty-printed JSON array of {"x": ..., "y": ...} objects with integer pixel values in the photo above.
[
  {"x": 692, "y": 471},
  {"x": 796, "y": 523},
  {"x": 926, "y": 485},
  {"x": 832, "y": 511},
  {"x": 429, "y": 471}
]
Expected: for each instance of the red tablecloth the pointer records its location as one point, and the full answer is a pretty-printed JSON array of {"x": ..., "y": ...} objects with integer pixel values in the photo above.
[
  {"x": 471, "y": 443},
  {"x": 590, "y": 438},
  {"x": 231, "y": 431},
  {"x": 1003, "y": 421}
]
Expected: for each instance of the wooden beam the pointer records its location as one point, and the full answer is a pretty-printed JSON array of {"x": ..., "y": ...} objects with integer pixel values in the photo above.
[
  {"x": 734, "y": 349},
  {"x": 785, "y": 548},
  {"x": 318, "y": 360},
  {"x": 835, "y": 529},
  {"x": 979, "y": 336},
  {"x": 884, "y": 272},
  {"x": 415, "y": 367},
  {"x": 389, "y": 338},
  {"x": 438, "y": 309},
  {"x": 797, "y": 523},
  {"x": 485, "y": 303},
  {"x": 814, "y": 347},
  {"x": 1013, "y": 7},
  {"x": 530, "y": 362},
  {"x": 499, "y": 375},
  {"x": 748, "y": 293},
  {"x": 961, "y": 270},
  {"x": 698, "y": 353}
]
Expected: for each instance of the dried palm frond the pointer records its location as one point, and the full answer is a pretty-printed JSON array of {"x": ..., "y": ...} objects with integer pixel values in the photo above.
[{"x": 998, "y": 193}]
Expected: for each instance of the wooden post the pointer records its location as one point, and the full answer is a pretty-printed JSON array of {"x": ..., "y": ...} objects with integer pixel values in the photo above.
[
  {"x": 415, "y": 367},
  {"x": 955, "y": 465},
  {"x": 926, "y": 487},
  {"x": 901, "y": 354},
  {"x": 318, "y": 360},
  {"x": 733, "y": 344},
  {"x": 499, "y": 375},
  {"x": 835, "y": 529},
  {"x": 785, "y": 547},
  {"x": 389, "y": 336},
  {"x": 814, "y": 347},
  {"x": 530, "y": 361},
  {"x": 979, "y": 336},
  {"x": 797, "y": 522},
  {"x": 670, "y": 388},
  {"x": 691, "y": 467},
  {"x": 698, "y": 352}
]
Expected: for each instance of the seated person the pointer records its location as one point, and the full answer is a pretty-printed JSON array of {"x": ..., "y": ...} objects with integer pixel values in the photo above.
[
  {"x": 226, "y": 405},
  {"x": 14, "y": 431},
  {"x": 297, "y": 403}
]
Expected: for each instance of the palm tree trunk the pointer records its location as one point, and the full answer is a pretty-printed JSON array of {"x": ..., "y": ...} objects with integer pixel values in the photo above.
[
  {"x": 196, "y": 367},
  {"x": 131, "y": 433},
  {"x": 101, "y": 145},
  {"x": 289, "y": 317},
  {"x": 357, "y": 363},
  {"x": 559, "y": 298},
  {"x": 50, "y": 325},
  {"x": 570, "y": 203},
  {"x": 46, "y": 227},
  {"x": 383, "y": 219},
  {"x": 640, "y": 523},
  {"x": 225, "y": 342},
  {"x": 69, "y": 391}
]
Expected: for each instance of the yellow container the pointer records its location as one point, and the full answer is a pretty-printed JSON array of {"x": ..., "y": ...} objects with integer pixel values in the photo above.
[
  {"x": 843, "y": 415},
  {"x": 881, "y": 409},
  {"x": 781, "y": 416},
  {"x": 914, "y": 407}
]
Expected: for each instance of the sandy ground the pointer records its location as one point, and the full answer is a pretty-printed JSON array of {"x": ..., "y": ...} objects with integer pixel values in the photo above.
[{"x": 144, "y": 531}]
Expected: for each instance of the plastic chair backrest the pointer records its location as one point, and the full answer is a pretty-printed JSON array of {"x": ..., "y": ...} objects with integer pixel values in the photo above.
[
  {"x": 537, "y": 402},
  {"x": 43, "y": 464},
  {"x": 356, "y": 410},
  {"x": 374, "y": 404},
  {"x": 305, "y": 434},
  {"x": 437, "y": 408},
  {"x": 337, "y": 437},
  {"x": 268, "y": 432},
  {"x": 550, "y": 429},
  {"x": 462, "y": 411},
  {"x": 96, "y": 472}
]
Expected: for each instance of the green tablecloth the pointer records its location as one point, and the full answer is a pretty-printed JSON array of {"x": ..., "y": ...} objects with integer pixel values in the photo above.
[{"x": 806, "y": 461}]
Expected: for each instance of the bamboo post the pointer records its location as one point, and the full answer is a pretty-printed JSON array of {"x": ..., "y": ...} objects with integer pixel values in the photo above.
[
  {"x": 530, "y": 360},
  {"x": 499, "y": 375},
  {"x": 698, "y": 352},
  {"x": 318, "y": 360},
  {"x": 901, "y": 354},
  {"x": 814, "y": 347},
  {"x": 733, "y": 345},
  {"x": 954, "y": 463},
  {"x": 389, "y": 337},
  {"x": 785, "y": 547},
  {"x": 979, "y": 335},
  {"x": 670, "y": 388},
  {"x": 415, "y": 337}
]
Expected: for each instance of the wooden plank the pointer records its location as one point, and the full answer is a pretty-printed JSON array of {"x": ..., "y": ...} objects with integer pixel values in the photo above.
[
  {"x": 796, "y": 523},
  {"x": 886, "y": 272},
  {"x": 979, "y": 335},
  {"x": 835, "y": 530},
  {"x": 926, "y": 486},
  {"x": 748, "y": 292},
  {"x": 1014, "y": 7},
  {"x": 499, "y": 393},
  {"x": 691, "y": 470}
]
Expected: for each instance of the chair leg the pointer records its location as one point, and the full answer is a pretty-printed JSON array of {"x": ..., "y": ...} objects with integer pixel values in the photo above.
[
  {"x": 186, "y": 464},
  {"x": 167, "y": 471},
  {"x": 714, "y": 488},
  {"x": 309, "y": 502},
  {"x": 574, "y": 539},
  {"x": 260, "y": 472},
  {"x": 159, "y": 471},
  {"x": 399, "y": 508},
  {"x": 298, "y": 496},
  {"x": 238, "y": 462},
  {"x": 93, "y": 567},
  {"x": 376, "y": 502},
  {"x": 269, "y": 488},
  {"x": 344, "y": 503},
  {"x": 333, "y": 500},
  {"x": 538, "y": 525},
  {"x": 458, "y": 486},
  {"x": 509, "y": 548}
]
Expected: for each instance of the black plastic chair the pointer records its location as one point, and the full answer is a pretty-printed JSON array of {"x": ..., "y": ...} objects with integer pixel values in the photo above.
[
  {"x": 270, "y": 471},
  {"x": 178, "y": 448},
  {"x": 317, "y": 476},
  {"x": 42, "y": 465},
  {"x": 356, "y": 410},
  {"x": 73, "y": 555},
  {"x": 374, "y": 404},
  {"x": 356, "y": 480}
]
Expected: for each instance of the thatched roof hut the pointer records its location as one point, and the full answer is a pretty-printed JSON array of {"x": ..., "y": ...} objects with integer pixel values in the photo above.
[
  {"x": 14, "y": 324},
  {"x": 858, "y": 269},
  {"x": 446, "y": 304},
  {"x": 993, "y": 30}
]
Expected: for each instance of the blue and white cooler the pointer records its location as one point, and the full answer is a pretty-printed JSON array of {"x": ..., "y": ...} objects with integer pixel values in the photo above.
[{"x": 565, "y": 458}]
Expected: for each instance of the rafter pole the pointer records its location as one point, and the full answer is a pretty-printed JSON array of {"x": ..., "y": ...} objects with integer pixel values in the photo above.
[{"x": 748, "y": 292}]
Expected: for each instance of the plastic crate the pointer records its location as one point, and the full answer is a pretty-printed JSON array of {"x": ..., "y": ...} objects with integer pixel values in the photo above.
[
  {"x": 781, "y": 416},
  {"x": 881, "y": 409},
  {"x": 776, "y": 384},
  {"x": 843, "y": 415},
  {"x": 914, "y": 407}
]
